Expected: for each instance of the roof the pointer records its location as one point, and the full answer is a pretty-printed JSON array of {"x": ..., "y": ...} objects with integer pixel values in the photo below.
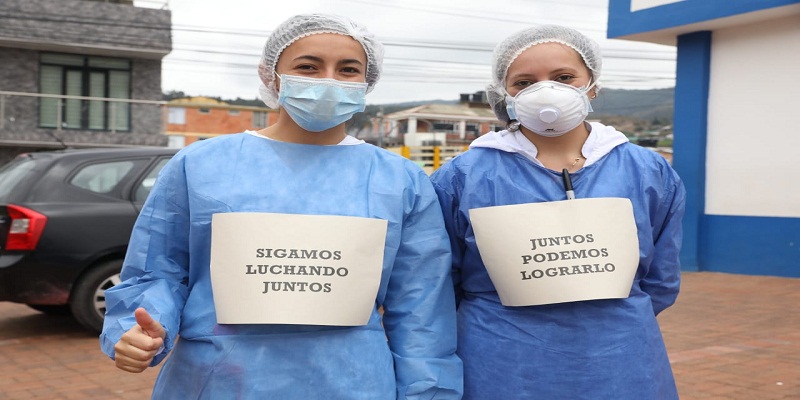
[
  {"x": 207, "y": 102},
  {"x": 445, "y": 111},
  {"x": 199, "y": 100}
]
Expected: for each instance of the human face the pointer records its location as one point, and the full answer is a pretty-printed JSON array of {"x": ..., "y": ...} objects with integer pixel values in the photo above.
[
  {"x": 325, "y": 55},
  {"x": 547, "y": 62}
]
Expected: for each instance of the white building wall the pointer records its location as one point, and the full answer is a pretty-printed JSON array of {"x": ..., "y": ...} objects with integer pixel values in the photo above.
[
  {"x": 754, "y": 120},
  {"x": 637, "y": 5}
]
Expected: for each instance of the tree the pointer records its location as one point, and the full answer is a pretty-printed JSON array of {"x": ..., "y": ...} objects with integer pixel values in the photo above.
[{"x": 174, "y": 94}]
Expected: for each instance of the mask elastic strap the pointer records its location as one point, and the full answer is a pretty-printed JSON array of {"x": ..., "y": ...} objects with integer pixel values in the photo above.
[
  {"x": 589, "y": 88},
  {"x": 591, "y": 85}
]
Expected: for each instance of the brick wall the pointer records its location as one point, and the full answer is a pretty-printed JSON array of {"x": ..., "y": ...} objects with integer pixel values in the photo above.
[
  {"x": 216, "y": 121},
  {"x": 20, "y": 73},
  {"x": 29, "y": 27},
  {"x": 102, "y": 26}
]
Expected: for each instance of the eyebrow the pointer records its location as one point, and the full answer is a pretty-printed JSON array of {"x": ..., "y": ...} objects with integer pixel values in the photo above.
[
  {"x": 351, "y": 61},
  {"x": 320, "y": 60},
  {"x": 562, "y": 70},
  {"x": 566, "y": 70},
  {"x": 307, "y": 57}
]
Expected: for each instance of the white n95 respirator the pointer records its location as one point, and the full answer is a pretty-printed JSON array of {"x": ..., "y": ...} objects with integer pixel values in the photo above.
[{"x": 550, "y": 108}]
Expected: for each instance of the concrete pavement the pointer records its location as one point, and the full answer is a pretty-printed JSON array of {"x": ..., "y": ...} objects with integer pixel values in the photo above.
[
  {"x": 735, "y": 337},
  {"x": 731, "y": 337}
]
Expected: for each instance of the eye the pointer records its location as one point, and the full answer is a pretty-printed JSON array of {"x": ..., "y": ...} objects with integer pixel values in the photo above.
[
  {"x": 523, "y": 83},
  {"x": 305, "y": 69},
  {"x": 351, "y": 70},
  {"x": 564, "y": 78}
]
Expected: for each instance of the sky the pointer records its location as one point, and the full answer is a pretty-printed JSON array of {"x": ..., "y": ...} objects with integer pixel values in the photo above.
[{"x": 434, "y": 49}]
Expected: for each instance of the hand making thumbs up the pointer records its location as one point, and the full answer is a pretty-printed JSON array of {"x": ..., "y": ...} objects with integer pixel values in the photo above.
[{"x": 136, "y": 348}]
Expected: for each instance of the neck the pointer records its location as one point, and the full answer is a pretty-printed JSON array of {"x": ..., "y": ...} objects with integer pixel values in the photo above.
[
  {"x": 562, "y": 151},
  {"x": 569, "y": 142},
  {"x": 286, "y": 130}
]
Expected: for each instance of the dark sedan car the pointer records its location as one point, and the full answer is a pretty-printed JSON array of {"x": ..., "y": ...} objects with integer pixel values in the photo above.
[{"x": 65, "y": 220}]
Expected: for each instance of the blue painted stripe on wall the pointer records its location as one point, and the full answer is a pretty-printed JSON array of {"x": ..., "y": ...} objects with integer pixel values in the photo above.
[
  {"x": 621, "y": 21},
  {"x": 690, "y": 128},
  {"x": 752, "y": 245}
]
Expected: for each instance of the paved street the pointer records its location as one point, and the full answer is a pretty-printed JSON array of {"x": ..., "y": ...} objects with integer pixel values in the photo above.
[
  {"x": 735, "y": 337},
  {"x": 729, "y": 337},
  {"x": 46, "y": 357}
]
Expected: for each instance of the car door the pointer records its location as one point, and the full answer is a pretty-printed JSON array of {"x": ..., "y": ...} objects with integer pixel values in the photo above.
[{"x": 88, "y": 210}]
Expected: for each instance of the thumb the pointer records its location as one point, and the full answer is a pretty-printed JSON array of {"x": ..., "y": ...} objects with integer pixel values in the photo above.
[{"x": 150, "y": 326}]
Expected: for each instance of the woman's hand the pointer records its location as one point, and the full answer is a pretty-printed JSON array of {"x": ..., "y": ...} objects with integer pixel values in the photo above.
[{"x": 138, "y": 346}]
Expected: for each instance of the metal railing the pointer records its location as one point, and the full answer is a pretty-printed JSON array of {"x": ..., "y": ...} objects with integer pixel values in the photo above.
[
  {"x": 430, "y": 158},
  {"x": 60, "y": 99}
]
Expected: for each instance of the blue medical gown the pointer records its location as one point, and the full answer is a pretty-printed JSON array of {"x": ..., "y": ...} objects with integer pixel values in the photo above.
[
  {"x": 600, "y": 349},
  {"x": 408, "y": 352}
]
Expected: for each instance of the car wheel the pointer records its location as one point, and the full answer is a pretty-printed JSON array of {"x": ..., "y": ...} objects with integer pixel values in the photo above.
[
  {"x": 50, "y": 309},
  {"x": 88, "y": 300}
]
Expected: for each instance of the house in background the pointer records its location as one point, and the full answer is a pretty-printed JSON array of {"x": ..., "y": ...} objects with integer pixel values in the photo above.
[
  {"x": 439, "y": 124},
  {"x": 195, "y": 118},
  {"x": 734, "y": 125},
  {"x": 81, "y": 72}
]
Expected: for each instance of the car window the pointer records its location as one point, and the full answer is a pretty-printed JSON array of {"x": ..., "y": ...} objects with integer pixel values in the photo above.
[
  {"x": 13, "y": 173},
  {"x": 141, "y": 192},
  {"x": 101, "y": 177}
]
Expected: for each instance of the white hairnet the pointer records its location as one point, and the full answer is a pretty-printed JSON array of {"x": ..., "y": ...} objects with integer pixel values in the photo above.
[
  {"x": 300, "y": 26},
  {"x": 509, "y": 49}
]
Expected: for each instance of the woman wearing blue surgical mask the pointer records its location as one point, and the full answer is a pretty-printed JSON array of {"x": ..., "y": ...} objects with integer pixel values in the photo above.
[
  {"x": 560, "y": 346},
  {"x": 318, "y": 82},
  {"x": 297, "y": 173}
]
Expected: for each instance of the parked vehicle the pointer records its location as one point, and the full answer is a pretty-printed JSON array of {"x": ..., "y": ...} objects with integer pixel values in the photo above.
[{"x": 65, "y": 221}]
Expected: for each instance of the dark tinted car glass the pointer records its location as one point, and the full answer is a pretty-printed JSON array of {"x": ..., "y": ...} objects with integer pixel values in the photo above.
[
  {"x": 144, "y": 187},
  {"x": 13, "y": 173},
  {"x": 101, "y": 177}
]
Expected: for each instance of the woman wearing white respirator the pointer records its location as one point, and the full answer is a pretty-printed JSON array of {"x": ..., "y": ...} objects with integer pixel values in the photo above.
[
  {"x": 296, "y": 200},
  {"x": 566, "y": 338}
]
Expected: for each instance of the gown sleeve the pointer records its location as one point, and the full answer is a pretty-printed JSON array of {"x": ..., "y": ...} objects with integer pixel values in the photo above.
[
  {"x": 662, "y": 281},
  {"x": 443, "y": 183},
  {"x": 155, "y": 271},
  {"x": 419, "y": 308}
]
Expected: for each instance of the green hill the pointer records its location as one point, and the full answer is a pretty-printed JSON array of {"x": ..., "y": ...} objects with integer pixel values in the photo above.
[{"x": 640, "y": 104}]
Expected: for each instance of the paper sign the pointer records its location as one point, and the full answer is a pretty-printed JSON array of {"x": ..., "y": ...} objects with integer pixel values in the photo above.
[
  {"x": 561, "y": 251},
  {"x": 295, "y": 269}
]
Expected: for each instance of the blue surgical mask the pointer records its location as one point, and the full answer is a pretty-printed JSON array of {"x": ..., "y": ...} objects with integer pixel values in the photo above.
[{"x": 320, "y": 104}]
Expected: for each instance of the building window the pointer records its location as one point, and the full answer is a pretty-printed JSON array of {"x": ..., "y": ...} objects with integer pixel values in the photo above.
[
  {"x": 233, "y": 112},
  {"x": 85, "y": 76},
  {"x": 177, "y": 115},
  {"x": 260, "y": 119},
  {"x": 204, "y": 110},
  {"x": 444, "y": 126}
]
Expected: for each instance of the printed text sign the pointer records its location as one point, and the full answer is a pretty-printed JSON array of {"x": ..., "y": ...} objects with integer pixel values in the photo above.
[
  {"x": 295, "y": 269},
  {"x": 561, "y": 251}
]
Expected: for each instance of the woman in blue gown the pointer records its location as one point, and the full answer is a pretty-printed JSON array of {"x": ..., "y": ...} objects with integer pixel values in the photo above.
[
  {"x": 316, "y": 69},
  {"x": 543, "y": 81}
]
